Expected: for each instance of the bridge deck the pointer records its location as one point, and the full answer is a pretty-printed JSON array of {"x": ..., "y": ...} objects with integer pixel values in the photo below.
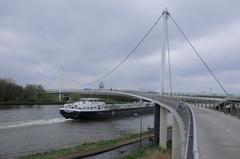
[{"x": 218, "y": 134}]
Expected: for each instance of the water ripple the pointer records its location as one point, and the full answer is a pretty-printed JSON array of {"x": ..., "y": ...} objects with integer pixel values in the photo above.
[{"x": 20, "y": 124}]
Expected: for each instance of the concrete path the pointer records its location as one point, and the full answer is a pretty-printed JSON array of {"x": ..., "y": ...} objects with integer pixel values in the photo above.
[{"x": 218, "y": 134}]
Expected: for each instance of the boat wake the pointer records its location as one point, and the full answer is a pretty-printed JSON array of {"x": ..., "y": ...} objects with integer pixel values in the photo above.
[{"x": 29, "y": 123}]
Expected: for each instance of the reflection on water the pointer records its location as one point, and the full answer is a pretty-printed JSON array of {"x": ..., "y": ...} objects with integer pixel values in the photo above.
[{"x": 25, "y": 129}]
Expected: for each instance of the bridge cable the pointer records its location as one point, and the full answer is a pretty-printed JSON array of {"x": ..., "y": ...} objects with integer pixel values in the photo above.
[
  {"x": 169, "y": 65},
  {"x": 130, "y": 53},
  {"x": 205, "y": 64},
  {"x": 49, "y": 80},
  {"x": 69, "y": 77},
  {"x": 62, "y": 87},
  {"x": 47, "y": 83}
]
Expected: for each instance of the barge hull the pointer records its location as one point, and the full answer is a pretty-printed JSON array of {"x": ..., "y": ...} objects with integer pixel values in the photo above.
[{"x": 119, "y": 113}]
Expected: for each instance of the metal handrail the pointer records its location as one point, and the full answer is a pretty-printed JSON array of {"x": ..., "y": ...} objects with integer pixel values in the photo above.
[
  {"x": 187, "y": 120},
  {"x": 195, "y": 145}
]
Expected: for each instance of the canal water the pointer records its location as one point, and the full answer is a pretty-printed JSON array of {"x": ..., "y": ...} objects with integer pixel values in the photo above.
[{"x": 32, "y": 129}]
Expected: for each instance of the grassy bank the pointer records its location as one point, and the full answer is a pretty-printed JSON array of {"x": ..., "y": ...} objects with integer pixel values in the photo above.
[
  {"x": 84, "y": 148},
  {"x": 150, "y": 152}
]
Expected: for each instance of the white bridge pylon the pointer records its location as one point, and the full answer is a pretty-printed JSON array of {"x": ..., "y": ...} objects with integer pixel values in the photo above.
[
  {"x": 163, "y": 111},
  {"x": 177, "y": 151},
  {"x": 164, "y": 41}
]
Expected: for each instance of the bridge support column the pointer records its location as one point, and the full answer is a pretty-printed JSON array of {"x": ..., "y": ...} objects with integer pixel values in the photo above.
[
  {"x": 163, "y": 128},
  {"x": 156, "y": 124},
  {"x": 176, "y": 140},
  {"x": 59, "y": 97}
]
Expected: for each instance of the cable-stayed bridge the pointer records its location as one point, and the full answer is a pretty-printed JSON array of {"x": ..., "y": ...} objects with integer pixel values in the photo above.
[{"x": 200, "y": 128}]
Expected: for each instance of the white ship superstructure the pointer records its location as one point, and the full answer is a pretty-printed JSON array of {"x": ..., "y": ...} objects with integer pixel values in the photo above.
[{"x": 86, "y": 105}]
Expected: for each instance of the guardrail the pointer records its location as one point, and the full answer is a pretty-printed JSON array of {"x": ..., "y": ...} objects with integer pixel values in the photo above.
[
  {"x": 187, "y": 115},
  {"x": 188, "y": 119},
  {"x": 223, "y": 105},
  {"x": 195, "y": 146}
]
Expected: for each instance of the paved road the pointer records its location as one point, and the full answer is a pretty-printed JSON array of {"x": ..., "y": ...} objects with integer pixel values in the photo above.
[{"x": 218, "y": 134}]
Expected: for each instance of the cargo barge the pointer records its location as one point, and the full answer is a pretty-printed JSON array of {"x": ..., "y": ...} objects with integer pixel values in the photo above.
[{"x": 96, "y": 108}]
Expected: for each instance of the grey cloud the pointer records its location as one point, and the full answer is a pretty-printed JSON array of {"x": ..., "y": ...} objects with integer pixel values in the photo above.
[{"x": 90, "y": 37}]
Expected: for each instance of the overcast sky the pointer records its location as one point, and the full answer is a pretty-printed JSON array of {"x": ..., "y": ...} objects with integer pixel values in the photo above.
[{"x": 89, "y": 37}]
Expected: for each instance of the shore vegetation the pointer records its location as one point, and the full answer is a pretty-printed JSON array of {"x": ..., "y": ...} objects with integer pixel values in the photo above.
[{"x": 86, "y": 148}]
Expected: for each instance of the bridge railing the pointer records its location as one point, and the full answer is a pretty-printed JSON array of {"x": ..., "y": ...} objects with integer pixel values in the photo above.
[
  {"x": 226, "y": 105},
  {"x": 187, "y": 116}
]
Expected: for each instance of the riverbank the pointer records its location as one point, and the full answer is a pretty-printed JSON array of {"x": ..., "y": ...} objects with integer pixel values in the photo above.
[{"x": 89, "y": 148}]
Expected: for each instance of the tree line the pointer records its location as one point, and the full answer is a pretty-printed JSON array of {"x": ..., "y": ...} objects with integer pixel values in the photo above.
[
  {"x": 13, "y": 93},
  {"x": 10, "y": 91}
]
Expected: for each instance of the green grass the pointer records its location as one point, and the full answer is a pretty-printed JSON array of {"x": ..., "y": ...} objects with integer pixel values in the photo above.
[
  {"x": 150, "y": 152},
  {"x": 65, "y": 151},
  {"x": 138, "y": 153},
  {"x": 87, "y": 146}
]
